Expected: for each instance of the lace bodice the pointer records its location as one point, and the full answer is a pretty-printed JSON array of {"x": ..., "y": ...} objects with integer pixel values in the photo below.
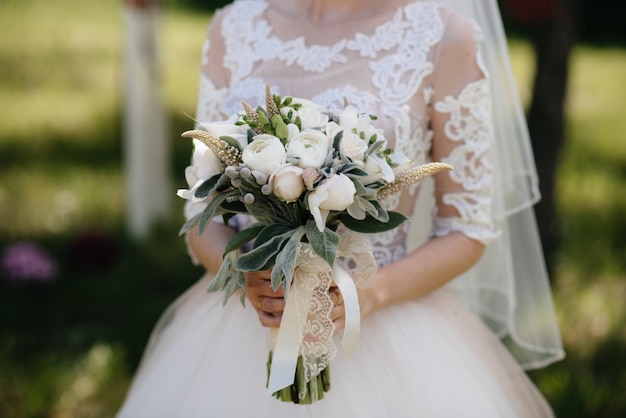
[{"x": 418, "y": 68}]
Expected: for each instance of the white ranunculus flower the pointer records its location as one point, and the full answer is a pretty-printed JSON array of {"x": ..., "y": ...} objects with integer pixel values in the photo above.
[
  {"x": 264, "y": 153},
  {"x": 334, "y": 193},
  {"x": 287, "y": 183},
  {"x": 310, "y": 147}
]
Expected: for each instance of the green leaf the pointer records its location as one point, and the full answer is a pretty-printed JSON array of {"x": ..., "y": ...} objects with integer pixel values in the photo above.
[
  {"x": 229, "y": 279},
  {"x": 189, "y": 224},
  {"x": 280, "y": 128},
  {"x": 353, "y": 170},
  {"x": 374, "y": 147},
  {"x": 383, "y": 215},
  {"x": 205, "y": 188},
  {"x": 262, "y": 257},
  {"x": 232, "y": 142},
  {"x": 269, "y": 232},
  {"x": 212, "y": 209},
  {"x": 337, "y": 141},
  {"x": 243, "y": 237},
  {"x": 236, "y": 206},
  {"x": 371, "y": 225},
  {"x": 324, "y": 243},
  {"x": 286, "y": 261}
]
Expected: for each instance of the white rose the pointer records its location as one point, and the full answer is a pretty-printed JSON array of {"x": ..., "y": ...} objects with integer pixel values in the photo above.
[
  {"x": 334, "y": 193},
  {"x": 353, "y": 146},
  {"x": 378, "y": 169},
  {"x": 348, "y": 118},
  {"x": 310, "y": 147},
  {"x": 225, "y": 128},
  {"x": 204, "y": 165},
  {"x": 287, "y": 183},
  {"x": 264, "y": 153},
  {"x": 292, "y": 130},
  {"x": 400, "y": 162},
  {"x": 352, "y": 121},
  {"x": 312, "y": 115}
]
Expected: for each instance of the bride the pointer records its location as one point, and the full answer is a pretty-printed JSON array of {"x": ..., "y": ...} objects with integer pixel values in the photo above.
[{"x": 460, "y": 305}]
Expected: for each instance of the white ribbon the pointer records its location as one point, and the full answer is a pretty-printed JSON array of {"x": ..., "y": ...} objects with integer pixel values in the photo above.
[
  {"x": 352, "y": 309},
  {"x": 293, "y": 322},
  {"x": 290, "y": 333}
]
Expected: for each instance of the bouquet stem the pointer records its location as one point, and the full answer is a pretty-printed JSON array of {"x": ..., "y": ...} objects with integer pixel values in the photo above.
[{"x": 302, "y": 392}]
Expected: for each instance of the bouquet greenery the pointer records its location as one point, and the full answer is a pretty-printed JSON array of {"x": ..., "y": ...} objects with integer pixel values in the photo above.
[{"x": 300, "y": 171}]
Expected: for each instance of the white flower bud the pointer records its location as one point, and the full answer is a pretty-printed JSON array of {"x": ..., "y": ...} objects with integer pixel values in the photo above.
[
  {"x": 286, "y": 181},
  {"x": 334, "y": 193}
]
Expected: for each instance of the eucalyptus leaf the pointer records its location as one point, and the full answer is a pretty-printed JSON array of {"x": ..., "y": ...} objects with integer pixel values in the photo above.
[
  {"x": 383, "y": 215},
  {"x": 353, "y": 170},
  {"x": 243, "y": 237},
  {"x": 325, "y": 243},
  {"x": 205, "y": 188},
  {"x": 231, "y": 141},
  {"x": 212, "y": 209},
  {"x": 269, "y": 232},
  {"x": 191, "y": 222},
  {"x": 371, "y": 225},
  {"x": 375, "y": 147},
  {"x": 228, "y": 278},
  {"x": 260, "y": 258},
  {"x": 286, "y": 261},
  {"x": 337, "y": 140}
]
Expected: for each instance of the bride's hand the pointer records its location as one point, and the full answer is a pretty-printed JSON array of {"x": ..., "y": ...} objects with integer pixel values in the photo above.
[
  {"x": 269, "y": 304},
  {"x": 338, "y": 313}
]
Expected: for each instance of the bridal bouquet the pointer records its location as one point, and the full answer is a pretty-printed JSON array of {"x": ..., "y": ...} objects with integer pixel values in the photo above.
[{"x": 300, "y": 171}]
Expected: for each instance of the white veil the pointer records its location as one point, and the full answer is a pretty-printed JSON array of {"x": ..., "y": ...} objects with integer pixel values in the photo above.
[{"x": 509, "y": 288}]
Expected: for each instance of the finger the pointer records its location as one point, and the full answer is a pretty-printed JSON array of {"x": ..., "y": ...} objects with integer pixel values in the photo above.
[
  {"x": 339, "y": 324},
  {"x": 269, "y": 320},
  {"x": 271, "y": 305},
  {"x": 263, "y": 287},
  {"x": 336, "y": 313}
]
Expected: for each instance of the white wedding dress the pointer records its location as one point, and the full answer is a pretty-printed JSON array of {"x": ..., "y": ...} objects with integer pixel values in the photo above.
[{"x": 419, "y": 68}]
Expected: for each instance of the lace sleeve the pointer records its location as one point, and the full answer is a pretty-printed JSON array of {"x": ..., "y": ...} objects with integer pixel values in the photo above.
[
  {"x": 214, "y": 77},
  {"x": 461, "y": 122}
]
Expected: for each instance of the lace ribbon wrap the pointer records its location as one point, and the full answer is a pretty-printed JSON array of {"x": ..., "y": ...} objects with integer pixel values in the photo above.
[{"x": 306, "y": 328}]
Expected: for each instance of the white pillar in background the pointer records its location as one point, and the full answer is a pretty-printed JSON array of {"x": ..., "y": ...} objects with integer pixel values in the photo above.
[{"x": 145, "y": 126}]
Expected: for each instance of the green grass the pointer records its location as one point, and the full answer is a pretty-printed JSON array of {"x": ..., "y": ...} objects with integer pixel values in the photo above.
[{"x": 69, "y": 348}]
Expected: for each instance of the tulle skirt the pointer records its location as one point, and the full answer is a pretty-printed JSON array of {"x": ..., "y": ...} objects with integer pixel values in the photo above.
[{"x": 426, "y": 358}]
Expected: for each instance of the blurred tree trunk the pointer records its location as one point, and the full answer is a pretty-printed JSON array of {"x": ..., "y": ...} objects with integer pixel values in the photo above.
[
  {"x": 145, "y": 125},
  {"x": 553, "y": 28}
]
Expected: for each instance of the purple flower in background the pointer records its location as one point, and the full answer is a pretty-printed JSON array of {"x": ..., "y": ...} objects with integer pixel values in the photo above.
[{"x": 26, "y": 262}]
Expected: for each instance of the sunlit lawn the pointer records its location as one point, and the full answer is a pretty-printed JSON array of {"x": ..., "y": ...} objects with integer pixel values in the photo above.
[{"x": 68, "y": 348}]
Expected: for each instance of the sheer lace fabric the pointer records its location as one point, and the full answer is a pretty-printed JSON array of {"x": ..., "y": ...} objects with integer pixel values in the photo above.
[{"x": 399, "y": 78}]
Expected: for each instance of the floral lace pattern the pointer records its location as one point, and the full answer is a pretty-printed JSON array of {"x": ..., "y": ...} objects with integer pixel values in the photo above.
[
  {"x": 469, "y": 125},
  {"x": 400, "y": 57}
]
